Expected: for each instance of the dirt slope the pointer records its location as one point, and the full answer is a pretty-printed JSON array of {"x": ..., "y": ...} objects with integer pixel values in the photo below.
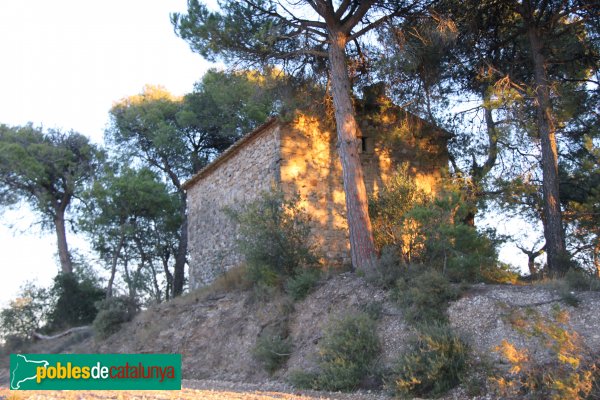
[{"x": 216, "y": 334}]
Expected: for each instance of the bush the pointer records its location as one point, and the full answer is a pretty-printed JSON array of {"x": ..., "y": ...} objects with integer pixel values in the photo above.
[
  {"x": 347, "y": 355},
  {"x": 300, "y": 285},
  {"x": 426, "y": 229},
  {"x": 235, "y": 278},
  {"x": 388, "y": 270},
  {"x": 272, "y": 351},
  {"x": 578, "y": 279},
  {"x": 575, "y": 280},
  {"x": 502, "y": 274},
  {"x": 435, "y": 363},
  {"x": 112, "y": 313},
  {"x": 572, "y": 373},
  {"x": 76, "y": 297},
  {"x": 388, "y": 210},
  {"x": 273, "y": 234},
  {"x": 15, "y": 344},
  {"x": 446, "y": 243},
  {"x": 374, "y": 309},
  {"x": 25, "y": 314},
  {"x": 304, "y": 379},
  {"x": 424, "y": 295}
]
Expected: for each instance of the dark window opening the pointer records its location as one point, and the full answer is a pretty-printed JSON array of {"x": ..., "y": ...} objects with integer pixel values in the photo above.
[{"x": 363, "y": 144}]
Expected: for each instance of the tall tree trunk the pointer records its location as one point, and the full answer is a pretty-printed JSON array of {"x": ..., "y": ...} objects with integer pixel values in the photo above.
[
  {"x": 362, "y": 246},
  {"x": 552, "y": 216},
  {"x": 181, "y": 256},
  {"x": 64, "y": 256}
]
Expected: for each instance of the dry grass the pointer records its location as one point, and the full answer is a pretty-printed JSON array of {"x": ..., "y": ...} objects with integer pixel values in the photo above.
[
  {"x": 231, "y": 280},
  {"x": 184, "y": 394}
]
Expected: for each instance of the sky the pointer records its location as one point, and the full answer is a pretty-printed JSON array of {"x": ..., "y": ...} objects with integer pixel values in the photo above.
[{"x": 64, "y": 63}]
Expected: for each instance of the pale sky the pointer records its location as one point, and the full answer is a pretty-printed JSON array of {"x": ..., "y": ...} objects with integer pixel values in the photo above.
[{"x": 64, "y": 62}]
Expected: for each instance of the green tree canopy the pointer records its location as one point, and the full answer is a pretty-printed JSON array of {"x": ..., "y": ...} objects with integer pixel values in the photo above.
[
  {"x": 177, "y": 136},
  {"x": 313, "y": 37},
  {"x": 133, "y": 222},
  {"x": 48, "y": 170}
]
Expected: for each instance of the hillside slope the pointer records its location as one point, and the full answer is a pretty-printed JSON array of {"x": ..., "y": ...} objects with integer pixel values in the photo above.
[{"x": 216, "y": 333}]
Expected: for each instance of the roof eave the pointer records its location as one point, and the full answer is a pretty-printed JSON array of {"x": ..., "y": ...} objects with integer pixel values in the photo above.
[{"x": 228, "y": 153}]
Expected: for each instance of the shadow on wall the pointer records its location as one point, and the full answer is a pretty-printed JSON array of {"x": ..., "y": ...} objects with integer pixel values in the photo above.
[
  {"x": 301, "y": 157},
  {"x": 310, "y": 167}
]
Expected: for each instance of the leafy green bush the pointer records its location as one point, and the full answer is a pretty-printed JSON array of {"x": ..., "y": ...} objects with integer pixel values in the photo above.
[
  {"x": 273, "y": 234},
  {"x": 503, "y": 273},
  {"x": 347, "y": 354},
  {"x": 112, "y": 313},
  {"x": 424, "y": 295},
  {"x": 300, "y": 285},
  {"x": 69, "y": 302},
  {"x": 434, "y": 363},
  {"x": 428, "y": 229},
  {"x": 76, "y": 297},
  {"x": 272, "y": 351},
  {"x": 389, "y": 207},
  {"x": 443, "y": 241},
  {"x": 303, "y": 379},
  {"x": 574, "y": 281}
]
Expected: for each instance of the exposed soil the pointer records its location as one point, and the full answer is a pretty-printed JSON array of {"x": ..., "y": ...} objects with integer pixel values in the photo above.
[{"x": 216, "y": 333}]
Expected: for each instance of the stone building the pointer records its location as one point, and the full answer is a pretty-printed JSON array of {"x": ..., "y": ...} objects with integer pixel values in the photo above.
[{"x": 300, "y": 157}]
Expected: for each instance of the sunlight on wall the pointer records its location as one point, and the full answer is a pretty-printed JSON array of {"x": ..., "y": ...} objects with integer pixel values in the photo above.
[{"x": 310, "y": 167}]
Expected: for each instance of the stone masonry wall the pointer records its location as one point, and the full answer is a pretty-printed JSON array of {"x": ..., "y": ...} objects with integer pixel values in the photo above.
[
  {"x": 310, "y": 167},
  {"x": 301, "y": 157},
  {"x": 395, "y": 137},
  {"x": 240, "y": 176}
]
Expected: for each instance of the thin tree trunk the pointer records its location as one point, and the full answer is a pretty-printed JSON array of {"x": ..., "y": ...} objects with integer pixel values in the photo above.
[
  {"x": 129, "y": 280},
  {"x": 553, "y": 227},
  {"x": 169, "y": 277},
  {"x": 158, "y": 294},
  {"x": 131, "y": 304},
  {"x": 113, "y": 265},
  {"x": 181, "y": 257},
  {"x": 64, "y": 256},
  {"x": 597, "y": 258},
  {"x": 144, "y": 256},
  {"x": 362, "y": 246}
]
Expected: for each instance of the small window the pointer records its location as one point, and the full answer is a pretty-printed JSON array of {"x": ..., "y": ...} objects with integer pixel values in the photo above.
[{"x": 364, "y": 144}]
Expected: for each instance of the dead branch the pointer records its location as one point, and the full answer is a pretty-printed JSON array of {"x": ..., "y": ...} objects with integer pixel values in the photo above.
[{"x": 65, "y": 333}]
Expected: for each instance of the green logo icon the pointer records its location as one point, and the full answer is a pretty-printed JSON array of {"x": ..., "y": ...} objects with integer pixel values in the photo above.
[
  {"x": 23, "y": 369},
  {"x": 95, "y": 371}
]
